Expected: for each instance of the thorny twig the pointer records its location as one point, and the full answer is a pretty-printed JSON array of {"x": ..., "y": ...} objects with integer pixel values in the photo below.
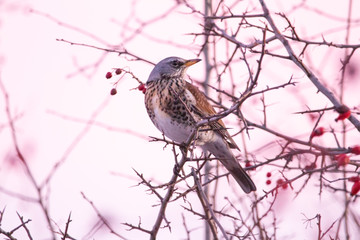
[{"x": 207, "y": 208}]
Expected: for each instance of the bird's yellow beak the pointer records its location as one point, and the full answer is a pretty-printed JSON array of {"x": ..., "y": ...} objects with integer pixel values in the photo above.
[{"x": 190, "y": 62}]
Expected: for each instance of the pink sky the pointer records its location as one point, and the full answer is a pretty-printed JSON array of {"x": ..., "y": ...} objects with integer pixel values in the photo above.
[{"x": 55, "y": 88}]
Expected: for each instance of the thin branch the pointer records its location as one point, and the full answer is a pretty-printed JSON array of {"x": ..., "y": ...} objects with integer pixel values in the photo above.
[
  {"x": 171, "y": 189},
  {"x": 120, "y": 52},
  {"x": 303, "y": 67},
  {"x": 207, "y": 208},
  {"x": 101, "y": 217},
  {"x": 24, "y": 161},
  {"x": 23, "y": 224},
  {"x": 65, "y": 234}
]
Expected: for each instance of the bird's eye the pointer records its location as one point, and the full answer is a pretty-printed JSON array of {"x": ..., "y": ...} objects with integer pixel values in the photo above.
[{"x": 176, "y": 63}]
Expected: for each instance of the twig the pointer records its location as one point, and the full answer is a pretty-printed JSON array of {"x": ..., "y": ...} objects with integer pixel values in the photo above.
[
  {"x": 65, "y": 234},
  {"x": 75, "y": 142},
  {"x": 21, "y": 157},
  {"x": 23, "y": 224},
  {"x": 207, "y": 208},
  {"x": 171, "y": 189},
  {"x": 126, "y": 52},
  {"x": 303, "y": 67},
  {"x": 101, "y": 217}
]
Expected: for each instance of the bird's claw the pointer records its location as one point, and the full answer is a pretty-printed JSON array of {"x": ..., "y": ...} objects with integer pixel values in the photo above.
[{"x": 176, "y": 169}]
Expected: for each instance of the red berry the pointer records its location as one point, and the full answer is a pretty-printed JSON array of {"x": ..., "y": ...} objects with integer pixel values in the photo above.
[
  {"x": 342, "y": 159},
  {"x": 279, "y": 181},
  {"x": 113, "y": 91},
  {"x": 141, "y": 87},
  {"x": 355, "y": 149},
  {"x": 317, "y": 132},
  {"x": 282, "y": 183},
  {"x": 268, "y": 174},
  {"x": 354, "y": 179},
  {"x": 355, "y": 188},
  {"x": 344, "y": 112},
  {"x": 118, "y": 71},
  {"x": 310, "y": 167},
  {"x": 343, "y": 116},
  {"x": 268, "y": 182},
  {"x": 248, "y": 164},
  {"x": 144, "y": 90},
  {"x": 108, "y": 75}
]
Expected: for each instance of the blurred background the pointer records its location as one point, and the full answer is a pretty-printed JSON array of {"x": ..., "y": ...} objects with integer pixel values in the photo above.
[{"x": 82, "y": 145}]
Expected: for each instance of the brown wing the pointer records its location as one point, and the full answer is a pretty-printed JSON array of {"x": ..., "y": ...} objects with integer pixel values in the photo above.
[{"x": 204, "y": 108}]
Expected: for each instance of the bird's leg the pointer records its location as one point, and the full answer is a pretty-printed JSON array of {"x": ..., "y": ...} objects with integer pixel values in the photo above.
[
  {"x": 183, "y": 148},
  {"x": 176, "y": 170}
]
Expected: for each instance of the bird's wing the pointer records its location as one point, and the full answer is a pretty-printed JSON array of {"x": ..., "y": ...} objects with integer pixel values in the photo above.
[{"x": 204, "y": 109}]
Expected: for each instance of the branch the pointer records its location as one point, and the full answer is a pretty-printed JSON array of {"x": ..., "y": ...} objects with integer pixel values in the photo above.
[
  {"x": 171, "y": 189},
  {"x": 126, "y": 52},
  {"x": 10, "y": 233},
  {"x": 23, "y": 224},
  {"x": 207, "y": 208},
  {"x": 303, "y": 67},
  {"x": 30, "y": 175},
  {"x": 101, "y": 217},
  {"x": 65, "y": 233}
]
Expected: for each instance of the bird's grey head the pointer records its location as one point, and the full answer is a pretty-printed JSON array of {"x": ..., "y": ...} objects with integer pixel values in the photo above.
[{"x": 170, "y": 67}]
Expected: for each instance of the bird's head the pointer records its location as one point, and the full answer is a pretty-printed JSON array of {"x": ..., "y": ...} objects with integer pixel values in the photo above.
[{"x": 170, "y": 67}]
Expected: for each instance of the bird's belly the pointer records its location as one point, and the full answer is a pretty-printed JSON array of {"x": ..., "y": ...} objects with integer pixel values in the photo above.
[{"x": 176, "y": 131}]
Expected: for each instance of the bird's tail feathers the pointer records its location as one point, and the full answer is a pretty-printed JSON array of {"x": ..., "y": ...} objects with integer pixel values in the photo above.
[
  {"x": 239, "y": 174},
  {"x": 227, "y": 158}
]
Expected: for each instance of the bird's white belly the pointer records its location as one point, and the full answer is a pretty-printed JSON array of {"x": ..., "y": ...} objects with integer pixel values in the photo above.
[{"x": 177, "y": 132}]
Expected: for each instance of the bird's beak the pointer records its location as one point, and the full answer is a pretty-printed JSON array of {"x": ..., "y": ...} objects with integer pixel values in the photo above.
[{"x": 190, "y": 62}]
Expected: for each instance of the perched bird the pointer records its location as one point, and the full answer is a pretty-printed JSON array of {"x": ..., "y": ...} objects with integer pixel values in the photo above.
[{"x": 175, "y": 106}]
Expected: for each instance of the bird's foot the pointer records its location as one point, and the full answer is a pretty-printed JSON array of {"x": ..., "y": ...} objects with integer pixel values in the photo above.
[{"x": 176, "y": 169}]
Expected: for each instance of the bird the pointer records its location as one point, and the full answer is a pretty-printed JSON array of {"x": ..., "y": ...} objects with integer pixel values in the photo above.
[{"x": 174, "y": 105}]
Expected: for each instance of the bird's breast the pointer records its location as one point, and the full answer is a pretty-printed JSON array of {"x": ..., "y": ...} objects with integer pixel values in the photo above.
[
  {"x": 168, "y": 123},
  {"x": 171, "y": 110}
]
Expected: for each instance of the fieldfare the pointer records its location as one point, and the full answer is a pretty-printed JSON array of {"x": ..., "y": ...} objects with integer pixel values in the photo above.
[{"x": 175, "y": 106}]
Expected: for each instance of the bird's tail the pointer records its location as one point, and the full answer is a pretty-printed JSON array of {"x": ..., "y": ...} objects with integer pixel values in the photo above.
[
  {"x": 241, "y": 177},
  {"x": 222, "y": 152}
]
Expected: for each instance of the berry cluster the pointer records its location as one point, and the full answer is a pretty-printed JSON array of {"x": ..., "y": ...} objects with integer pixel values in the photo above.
[
  {"x": 344, "y": 113},
  {"x": 341, "y": 159},
  {"x": 280, "y": 183},
  {"x": 344, "y": 159},
  {"x": 118, "y": 71},
  {"x": 142, "y": 88},
  {"x": 109, "y": 75}
]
